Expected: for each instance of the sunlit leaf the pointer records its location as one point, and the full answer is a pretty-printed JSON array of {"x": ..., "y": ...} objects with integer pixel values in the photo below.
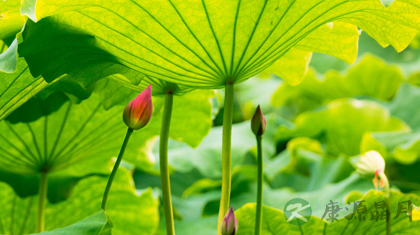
[
  {"x": 11, "y": 21},
  {"x": 370, "y": 77},
  {"x": 343, "y": 122},
  {"x": 220, "y": 42}
]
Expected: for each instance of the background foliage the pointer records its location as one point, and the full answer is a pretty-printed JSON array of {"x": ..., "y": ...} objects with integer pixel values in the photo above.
[{"x": 61, "y": 109}]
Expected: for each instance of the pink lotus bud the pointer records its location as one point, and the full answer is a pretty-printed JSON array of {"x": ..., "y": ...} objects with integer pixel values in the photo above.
[
  {"x": 138, "y": 112},
  {"x": 258, "y": 122},
  {"x": 230, "y": 223}
]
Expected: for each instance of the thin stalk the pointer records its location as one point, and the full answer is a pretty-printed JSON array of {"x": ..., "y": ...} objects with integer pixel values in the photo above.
[
  {"x": 258, "y": 216},
  {"x": 42, "y": 197},
  {"x": 114, "y": 170},
  {"x": 226, "y": 155},
  {"x": 383, "y": 177},
  {"x": 164, "y": 169}
]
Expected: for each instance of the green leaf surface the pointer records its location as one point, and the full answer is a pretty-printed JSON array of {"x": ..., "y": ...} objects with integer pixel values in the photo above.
[
  {"x": 222, "y": 41},
  {"x": 403, "y": 146},
  {"x": 124, "y": 207},
  {"x": 370, "y": 77},
  {"x": 343, "y": 122},
  {"x": 71, "y": 134},
  {"x": 11, "y": 21},
  {"x": 97, "y": 224},
  {"x": 404, "y": 105},
  {"x": 274, "y": 221},
  {"x": 18, "y": 87},
  {"x": 304, "y": 161},
  {"x": 337, "y": 39}
]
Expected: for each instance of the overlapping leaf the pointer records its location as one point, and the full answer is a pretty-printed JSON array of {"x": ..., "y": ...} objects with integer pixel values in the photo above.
[
  {"x": 343, "y": 122},
  {"x": 18, "y": 215},
  {"x": 370, "y": 77}
]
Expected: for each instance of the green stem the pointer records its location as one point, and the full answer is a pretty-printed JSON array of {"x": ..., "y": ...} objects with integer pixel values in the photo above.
[
  {"x": 114, "y": 170},
  {"x": 258, "y": 217},
  {"x": 226, "y": 154},
  {"x": 42, "y": 197},
  {"x": 383, "y": 177},
  {"x": 164, "y": 169}
]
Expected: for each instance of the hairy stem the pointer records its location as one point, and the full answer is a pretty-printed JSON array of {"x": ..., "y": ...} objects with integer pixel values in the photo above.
[
  {"x": 383, "y": 177},
  {"x": 164, "y": 169},
  {"x": 114, "y": 170},
  {"x": 42, "y": 197},
  {"x": 226, "y": 154},
  {"x": 258, "y": 216}
]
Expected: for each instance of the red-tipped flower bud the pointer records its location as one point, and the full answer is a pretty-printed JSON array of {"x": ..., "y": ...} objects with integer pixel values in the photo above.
[
  {"x": 258, "y": 122},
  {"x": 230, "y": 223},
  {"x": 138, "y": 112}
]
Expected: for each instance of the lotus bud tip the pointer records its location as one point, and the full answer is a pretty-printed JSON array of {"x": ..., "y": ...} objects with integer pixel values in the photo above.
[
  {"x": 138, "y": 112},
  {"x": 258, "y": 122}
]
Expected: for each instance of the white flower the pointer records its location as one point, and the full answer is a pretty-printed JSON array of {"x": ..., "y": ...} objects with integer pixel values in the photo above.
[{"x": 370, "y": 163}]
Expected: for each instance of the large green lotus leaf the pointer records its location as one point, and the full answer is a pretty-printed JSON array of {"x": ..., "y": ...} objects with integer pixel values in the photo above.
[
  {"x": 204, "y": 43},
  {"x": 67, "y": 135},
  {"x": 343, "y": 122},
  {"x": 338, "y": 39},
  {"x": 370, "y": 77},
  {"x": 97, "y": 224},
  {"x": 274, "y": 221},
  {"x": 124, "y": 207},
  {"x": 292, "y": 66},
  {"x": 406, "y": 60}
]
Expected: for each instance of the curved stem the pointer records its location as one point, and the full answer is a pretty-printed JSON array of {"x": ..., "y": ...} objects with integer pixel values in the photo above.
[
  {"x": 226, "y": 154},
  {"x": 383, "y": 177},
  {"x": 164, "y": 168},
  {"x": 114, "y": 170},
  {"x": 42, "y": 197},
  {"x": 258, "y": 216}
]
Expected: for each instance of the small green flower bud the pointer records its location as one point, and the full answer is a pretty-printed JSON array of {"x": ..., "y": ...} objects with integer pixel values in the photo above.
[
  {"x": 258, "y": 122},
  {"x": 230, "y": 223}
]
